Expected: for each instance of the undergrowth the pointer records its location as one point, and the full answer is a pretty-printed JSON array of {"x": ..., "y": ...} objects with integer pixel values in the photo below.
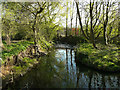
[
  {"x": 14, "y": 48},
  {"x": 104, "y": 58}
]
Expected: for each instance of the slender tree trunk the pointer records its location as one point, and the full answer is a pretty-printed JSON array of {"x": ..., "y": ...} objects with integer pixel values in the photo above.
[
  {"x": 80, "y": 22},
  {"x": 71, "y": 26},
  {"x": 105, "y": 23},
  {"x": 34, "y": 33},
  {"x": 66, "y": 20},
  {"x": 8, "y": 39},
  {"x": 66, "y": 27},
  {"x": 92, "y": 39},
  {"x": 76, "y": 26},
  {"x": 72, "y": 18}
]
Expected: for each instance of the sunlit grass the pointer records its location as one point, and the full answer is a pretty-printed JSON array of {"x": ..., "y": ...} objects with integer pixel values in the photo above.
[
  {"x": 14, "y": 48},
  {"x": 104, "y": 58}
]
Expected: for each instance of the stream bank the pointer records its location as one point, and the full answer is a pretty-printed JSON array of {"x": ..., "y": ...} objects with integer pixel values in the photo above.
[
  {"x": 104, "y": 59},
  {"x": 59, "y": 69},
  {"x": 16, "y": 66}
]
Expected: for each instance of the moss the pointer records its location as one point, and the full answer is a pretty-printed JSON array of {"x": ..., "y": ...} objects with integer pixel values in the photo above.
[{"x": 106, "y": 58}]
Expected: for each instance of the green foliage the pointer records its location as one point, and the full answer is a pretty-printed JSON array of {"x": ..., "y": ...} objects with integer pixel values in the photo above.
[
  {"x": 72, "y": 40},
  {"x": 44, "y": 44},
  {"x": 21, "y": 34},
  {"x": 14, "y": 48},
  {"x": 105, "y": 58}
]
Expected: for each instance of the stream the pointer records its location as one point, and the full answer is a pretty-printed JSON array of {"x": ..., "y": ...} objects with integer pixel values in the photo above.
[{"x": 59, "y": 70}]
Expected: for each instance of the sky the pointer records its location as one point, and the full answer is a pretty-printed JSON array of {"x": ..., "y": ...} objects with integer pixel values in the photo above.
[
  {"x": 74, "y": 14},
  {"x": 63, "y": 19}
]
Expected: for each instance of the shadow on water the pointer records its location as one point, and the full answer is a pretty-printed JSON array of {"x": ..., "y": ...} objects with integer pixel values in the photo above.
[{"x": 59, "y": 70}]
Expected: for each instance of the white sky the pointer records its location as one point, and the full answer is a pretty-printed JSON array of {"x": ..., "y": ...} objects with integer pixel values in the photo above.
[
  {"x": 63, "y": 19},
  {"x": 74, "y": 14}
]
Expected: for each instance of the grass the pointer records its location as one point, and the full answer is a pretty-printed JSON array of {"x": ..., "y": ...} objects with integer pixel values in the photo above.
[
  {"x": 105, "y": 58},
  {"x": 14, "y": 48}
]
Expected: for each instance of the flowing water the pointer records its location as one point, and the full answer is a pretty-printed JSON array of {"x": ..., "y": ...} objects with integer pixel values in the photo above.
[{"x": 59, "y": 70}]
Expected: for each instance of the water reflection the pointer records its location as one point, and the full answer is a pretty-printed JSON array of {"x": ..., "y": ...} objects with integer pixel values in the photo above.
[
  {"x": 59, "y": 69},
  {"x": 67, "y": 60},
  {"x": 71, "y": 57}
]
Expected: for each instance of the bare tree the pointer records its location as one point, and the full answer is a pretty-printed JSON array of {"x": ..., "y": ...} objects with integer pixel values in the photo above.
[
  {"x": 66, "y": 18},
  {"x": 105, "y": 22},
  {"x": 89, "y": 36},
  {"x": 72, "y": 16},
  {"x": 76, "y": 25},
  {"x": 80, "y": 21}
]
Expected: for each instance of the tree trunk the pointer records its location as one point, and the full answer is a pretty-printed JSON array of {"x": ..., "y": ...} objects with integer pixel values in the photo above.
[
  {"x": 66, "y": 28},
  {"x": 8, "y": 41},
  {"x": 34, "y": 33},
  {"x": 76, "y": 26},
  {"x": 66, "y": 19},
  {"x": 34, "y": 30},
  {"x": 92, "y": 39},
  {"x": 80, "y": 22},
  {"x": 72, "y": 19},
  {"x": 71, "y": 26},
  {"x": 105, "y": 24}
]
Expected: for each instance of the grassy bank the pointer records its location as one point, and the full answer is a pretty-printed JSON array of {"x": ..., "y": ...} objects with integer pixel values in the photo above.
[
  {"x": 12, "y": 73},
  {"x": 9, "y": 70},
  {"x": 14, "y": 48},
  {"x": 105, "y": 58},
  {"x": 9, "y": 51}
]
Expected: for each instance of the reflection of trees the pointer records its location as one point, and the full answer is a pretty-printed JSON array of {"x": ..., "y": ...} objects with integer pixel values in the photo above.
[
  {"x": 118, "y": 81},
  {"x": 72, "y": 75},
  {"x": 78, "y": 77},
  {"x": 95, "y": 79},
  {"x": 67, "y": 59},
  {"x": 90, "y": 75},
  {"x": 71, "y": 54},
  {"x": 43, "y": 76},
  {"x": 85, "y": 76},
  {"x": 103, "y": 81},
  {"x": 67, "y": 74},
  {"x": 110, "y": 81},
  {"x": 71, "y": 57}
]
